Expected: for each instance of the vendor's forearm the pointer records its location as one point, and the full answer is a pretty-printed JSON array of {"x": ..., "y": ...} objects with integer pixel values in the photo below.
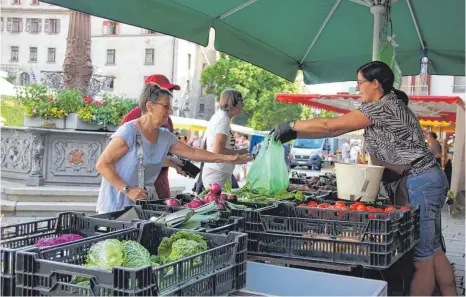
[
  {"x": 315, "y": 135},
  {"x": 110, "y": 174}
]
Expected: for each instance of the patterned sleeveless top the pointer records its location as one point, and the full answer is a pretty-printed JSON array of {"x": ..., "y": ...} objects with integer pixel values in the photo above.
[{"x": 396, "y": 136}]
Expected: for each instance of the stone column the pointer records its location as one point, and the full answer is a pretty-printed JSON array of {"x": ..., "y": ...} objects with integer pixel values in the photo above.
[
  {"x": 77, "y": 66},
  {"x": 36, "y": 177}
]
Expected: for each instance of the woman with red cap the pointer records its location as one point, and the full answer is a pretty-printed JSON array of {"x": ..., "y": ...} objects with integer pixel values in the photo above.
[{"x": 162, "y": 184}]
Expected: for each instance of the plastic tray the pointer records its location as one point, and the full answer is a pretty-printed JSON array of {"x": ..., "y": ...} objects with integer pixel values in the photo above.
[
  {"x": 23, "y": 236},
  {"x": 49, "y": 272}
]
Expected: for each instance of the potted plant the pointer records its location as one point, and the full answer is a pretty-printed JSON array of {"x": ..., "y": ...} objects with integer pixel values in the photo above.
[
  {"x": 40, "y": 107},
  {"x": 106, "y": 113}
]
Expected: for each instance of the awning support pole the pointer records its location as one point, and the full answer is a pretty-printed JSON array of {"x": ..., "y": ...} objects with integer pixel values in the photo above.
[{"x": 378, "y": 12}]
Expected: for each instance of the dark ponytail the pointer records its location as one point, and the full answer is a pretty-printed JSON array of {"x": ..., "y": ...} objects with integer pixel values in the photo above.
[
  {"x": 401, "y": 95},
  {"x": 380, "y": 71}
]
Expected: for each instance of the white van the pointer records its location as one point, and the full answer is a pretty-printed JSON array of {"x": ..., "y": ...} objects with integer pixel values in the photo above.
[{"x": 309, "y": 152}]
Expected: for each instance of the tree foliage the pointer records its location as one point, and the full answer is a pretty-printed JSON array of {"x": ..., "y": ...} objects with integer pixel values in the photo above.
[{"x": 258, "y": 86}]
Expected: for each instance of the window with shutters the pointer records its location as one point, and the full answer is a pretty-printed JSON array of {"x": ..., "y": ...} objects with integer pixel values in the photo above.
[
  {"x": 110, "y": 28},
  {"x": 33, "y": 25},
  {"x": 201, "y": 108},
  {"x": 149, "y": 60},
  {"x": 51, "y": 53},
  {"x": 2, "y": 24},
  {"x": 33, "y": 54},
  {"x": 189, "y": 61},
  {"x": 52, "y": 26},
  {"x": 14, "y": 54},
  {"x": 188, "y": 86},
  {"x": 16, "y": 2},
  {"x": 111, "y": 57},
  {"x": 15, "y": 25},
  {"x": 34, "y": 2}
]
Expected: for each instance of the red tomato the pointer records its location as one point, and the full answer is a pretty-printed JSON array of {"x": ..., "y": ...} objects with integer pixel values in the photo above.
[
  {"x": 362, "y": 208},
  {"x": 310, "y": 212},
  {"x": 312, "y": 204},
  {"x": 345, "y": 208},
  {"x": 404, "y": 208},
  {"x": 354, "y": 206},
  {"x": 340, "y": 203},
  {"x": 370, "y": 208},
  {"x": 303, "y": 205},
  {"x": 358, "y": 203},
  {"x": 324, "y": 205},
  {"x": 340, "y": 213},
  {"x": 372, "y": 216}
]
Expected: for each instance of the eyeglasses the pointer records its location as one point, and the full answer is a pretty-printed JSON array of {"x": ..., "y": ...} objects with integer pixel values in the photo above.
[
  {"x": 361, "y": 82},
  {"x": 167, "y": 106}
]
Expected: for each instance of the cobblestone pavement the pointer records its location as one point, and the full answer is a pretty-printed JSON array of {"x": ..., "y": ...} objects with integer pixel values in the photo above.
[{"x": 454, "y": 234}]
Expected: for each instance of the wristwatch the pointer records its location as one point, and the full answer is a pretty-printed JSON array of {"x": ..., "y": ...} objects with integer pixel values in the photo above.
[
  {"x": 292, "y": 125},
  {"x": 126, "y": 189}
]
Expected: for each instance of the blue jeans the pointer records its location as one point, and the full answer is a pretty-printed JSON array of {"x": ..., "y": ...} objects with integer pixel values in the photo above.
[{"x": 428, "y": 190}]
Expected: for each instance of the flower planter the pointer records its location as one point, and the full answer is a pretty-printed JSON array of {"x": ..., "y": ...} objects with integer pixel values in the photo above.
[
  {"x": 75, "y": 123},
  {"x": 40, "y": 123}
]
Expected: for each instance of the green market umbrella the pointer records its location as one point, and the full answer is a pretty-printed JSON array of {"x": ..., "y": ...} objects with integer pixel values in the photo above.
[{"x": 327, "y": 39}]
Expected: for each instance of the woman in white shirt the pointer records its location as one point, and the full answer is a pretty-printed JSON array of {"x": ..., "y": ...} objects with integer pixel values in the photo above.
[{"x": 220, "y": 139}]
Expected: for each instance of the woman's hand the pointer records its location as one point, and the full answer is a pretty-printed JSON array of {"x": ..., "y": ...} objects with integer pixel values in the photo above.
[
  {"x": 240, "y": 159},
  {"x": 284, "y": 133},
  {"x": 179, "y": 170},
  {"x": 136, "y": 194}
]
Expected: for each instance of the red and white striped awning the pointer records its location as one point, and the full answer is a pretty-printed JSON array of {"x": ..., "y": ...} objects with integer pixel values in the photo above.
[{"x": 429, "y": 108}]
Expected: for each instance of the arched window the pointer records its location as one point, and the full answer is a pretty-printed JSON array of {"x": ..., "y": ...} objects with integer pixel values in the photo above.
[{"x": 24, "y": 79}]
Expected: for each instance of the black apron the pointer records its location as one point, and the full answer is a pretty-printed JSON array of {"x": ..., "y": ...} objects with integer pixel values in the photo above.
[{"x": 394, "y": 178}]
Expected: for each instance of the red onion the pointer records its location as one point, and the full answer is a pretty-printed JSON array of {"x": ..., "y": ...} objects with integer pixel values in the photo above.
[
  {"x": 215, "y": 189},
  {"x": 224, "y": 196},
  {"x": 172, "y": 202},
  {"x": 210, "y": 197},
  {"x": 232, "y": 198}
]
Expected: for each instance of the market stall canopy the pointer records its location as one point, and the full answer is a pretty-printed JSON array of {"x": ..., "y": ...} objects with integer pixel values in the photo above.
[
  {"x": 327, "y": 39},
  {"x": 429, "y": 108},
  {"x": 188, "y": 123}
]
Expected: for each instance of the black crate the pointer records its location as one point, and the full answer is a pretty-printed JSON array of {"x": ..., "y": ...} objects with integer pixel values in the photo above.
[
  {"x": 50, "y": 271},
  {"x": 340, "y": 237},
  {"x": 224, "y": 224},
  {"x": 23, "y": 236},
  {"x": 315, "y": 249},
  {"x": 250, "y": 219}
]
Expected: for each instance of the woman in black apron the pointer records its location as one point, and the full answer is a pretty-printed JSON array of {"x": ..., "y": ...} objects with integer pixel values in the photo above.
[{"x": 394, "y": 139}]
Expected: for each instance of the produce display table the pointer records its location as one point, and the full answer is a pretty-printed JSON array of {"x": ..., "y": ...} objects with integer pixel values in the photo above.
[{"x": 272, "y": 280}]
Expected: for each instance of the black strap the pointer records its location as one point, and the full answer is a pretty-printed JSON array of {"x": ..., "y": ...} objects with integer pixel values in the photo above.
[{"x": 199, "y": 185}]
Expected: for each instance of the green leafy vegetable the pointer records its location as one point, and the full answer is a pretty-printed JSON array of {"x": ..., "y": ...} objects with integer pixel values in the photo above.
[
  {"x": 135, "y": 255},
  {"x": 189, "y": 244},
  {"x": 106, "y": 254},
  {"x": 227, "y": 186}
]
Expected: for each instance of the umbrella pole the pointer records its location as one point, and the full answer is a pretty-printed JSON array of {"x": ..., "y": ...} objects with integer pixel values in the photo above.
[{"x": 378, "y": 12}]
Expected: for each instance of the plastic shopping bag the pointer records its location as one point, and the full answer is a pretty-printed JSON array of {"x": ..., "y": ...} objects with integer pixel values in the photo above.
[{"x": 268, "y": 173}]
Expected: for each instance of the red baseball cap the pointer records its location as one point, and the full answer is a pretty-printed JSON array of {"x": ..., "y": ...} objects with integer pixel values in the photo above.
[{"x": 162, "y": 81}]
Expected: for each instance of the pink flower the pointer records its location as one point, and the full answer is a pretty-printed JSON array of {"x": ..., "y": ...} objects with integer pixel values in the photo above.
[{"x": 51, "y": 99}]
